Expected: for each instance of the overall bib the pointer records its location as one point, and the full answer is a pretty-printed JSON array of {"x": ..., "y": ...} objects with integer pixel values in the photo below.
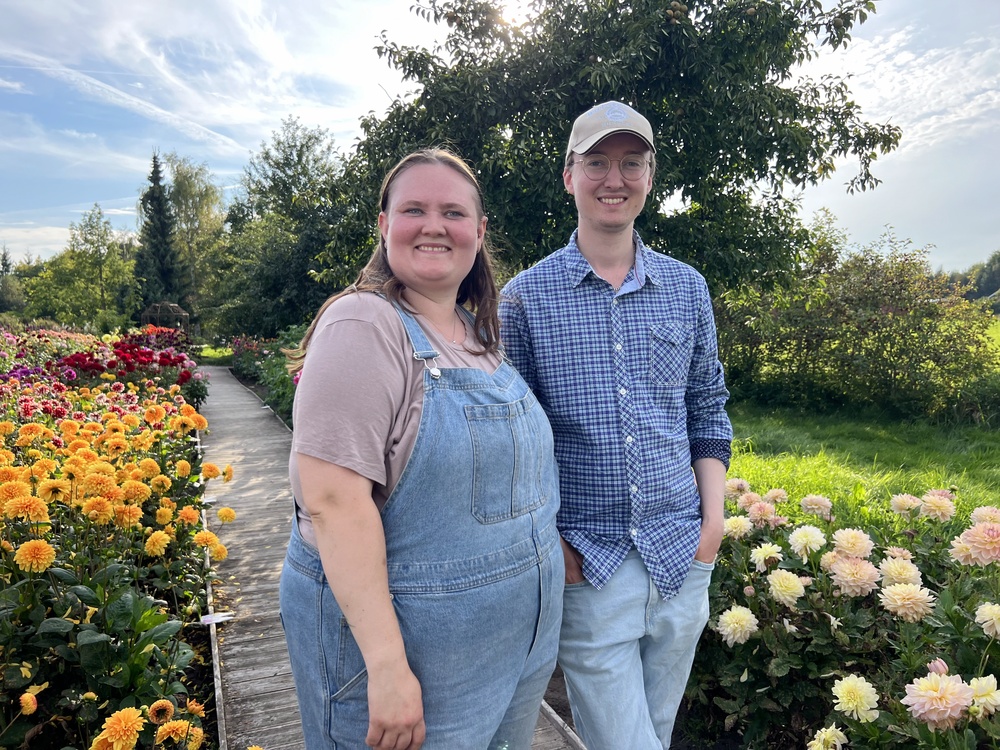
[{"x": 475, "y": 571}]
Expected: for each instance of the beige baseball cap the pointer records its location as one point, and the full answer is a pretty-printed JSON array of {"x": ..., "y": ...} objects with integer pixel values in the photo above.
[{"x": 598, "y": 122}]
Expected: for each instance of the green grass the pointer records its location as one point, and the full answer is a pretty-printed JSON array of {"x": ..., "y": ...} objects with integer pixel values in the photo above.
[
  {"x": 209, "y": 355},
  {"x": 860, "y": 459},
  {"x": 995, "y": 333}
]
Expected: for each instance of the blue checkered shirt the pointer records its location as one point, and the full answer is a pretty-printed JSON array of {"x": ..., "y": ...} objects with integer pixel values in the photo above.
[{"x": 633, "y": 387}]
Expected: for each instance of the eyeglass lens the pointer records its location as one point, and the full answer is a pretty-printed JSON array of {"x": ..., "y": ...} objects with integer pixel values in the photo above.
[{"x": 597, "y": 166}]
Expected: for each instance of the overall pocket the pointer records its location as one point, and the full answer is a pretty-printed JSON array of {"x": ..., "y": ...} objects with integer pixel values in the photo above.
[{"x": 509, "y": 442}]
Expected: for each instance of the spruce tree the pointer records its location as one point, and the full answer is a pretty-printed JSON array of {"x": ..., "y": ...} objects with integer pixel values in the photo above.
[{"x": 158, "y": 271}]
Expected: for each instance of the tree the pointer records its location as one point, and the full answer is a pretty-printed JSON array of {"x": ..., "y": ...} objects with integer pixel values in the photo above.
[
  {"x": 90, "y": 283},
  {"x": 199, "y": 215},
  {"x": 11, "y": 294},
  {"x": 987, "y": 280},
  {"x": 158, "y": 268},
  {"x": 285, "y": 217},
  {"x": 715, "y": 77}
]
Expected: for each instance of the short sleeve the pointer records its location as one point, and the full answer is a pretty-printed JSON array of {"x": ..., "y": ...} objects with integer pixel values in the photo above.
[{"x": 352, "y": 389}]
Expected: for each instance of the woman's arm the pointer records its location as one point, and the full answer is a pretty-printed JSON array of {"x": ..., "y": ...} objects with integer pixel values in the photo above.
[{"x": 351, "y": 545}]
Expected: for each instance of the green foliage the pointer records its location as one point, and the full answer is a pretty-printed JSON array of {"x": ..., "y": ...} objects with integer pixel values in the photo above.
[
  {"x": 11, "y": 292},
  {"x": 873, "y": 328},
  {"x": 261, "y": 361},
  {"x": 89, "y": 284},
  {"x": 262, "y": 287},
  {"x": 199, "y": 215},
  {"x": 987, "y": 281},
  {"x": 266, "y": 266},
  {"x": 211, "y": 355},
  {"x": 158, "y": 266},
  {"x": 714, "y": 78}
]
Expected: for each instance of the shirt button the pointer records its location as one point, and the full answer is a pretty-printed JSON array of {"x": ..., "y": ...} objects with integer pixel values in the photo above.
[
  {"x": 618, "y": 347},
  {"x": 628, "y": 439},
  {"x": 634, "y": 533},
  {"x": 633, "y": 488},
  {"x": 622, "y": 391}
]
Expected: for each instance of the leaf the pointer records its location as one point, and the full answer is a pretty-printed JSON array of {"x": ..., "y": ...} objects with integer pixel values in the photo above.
[
  {"x": 55, "y": 625},
  {"x": 118, "y": 613},
  {"x": 91, "y": 637},
  {"x": 85, "y": 595},
  {"x": 63, "y": 576}
]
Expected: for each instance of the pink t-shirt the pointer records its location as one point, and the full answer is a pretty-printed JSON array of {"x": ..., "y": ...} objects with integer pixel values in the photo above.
[{"x": 360, "y": 396}]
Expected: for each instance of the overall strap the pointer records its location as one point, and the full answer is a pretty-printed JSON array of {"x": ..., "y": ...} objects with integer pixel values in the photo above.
[{"x": 422, "y": 349}]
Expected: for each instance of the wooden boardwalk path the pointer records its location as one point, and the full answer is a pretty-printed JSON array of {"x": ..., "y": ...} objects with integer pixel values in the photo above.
[{"x": 255, "y": 696}]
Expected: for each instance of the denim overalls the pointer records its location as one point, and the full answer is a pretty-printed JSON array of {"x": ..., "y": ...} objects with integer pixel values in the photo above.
[{"x": 475, "y": 571}]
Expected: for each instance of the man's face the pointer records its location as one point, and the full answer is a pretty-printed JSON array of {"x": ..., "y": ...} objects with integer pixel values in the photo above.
[{"x": 610, "y": 204}]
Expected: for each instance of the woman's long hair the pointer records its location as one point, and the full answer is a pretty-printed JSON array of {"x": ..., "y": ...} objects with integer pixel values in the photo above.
[{"x": 478, "y": 290}]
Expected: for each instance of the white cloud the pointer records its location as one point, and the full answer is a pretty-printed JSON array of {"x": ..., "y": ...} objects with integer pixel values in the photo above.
[
  {"x": 36, "y": 241},
  {"x": 12, "y": 87},
  {"x": 77, "y": 154}
]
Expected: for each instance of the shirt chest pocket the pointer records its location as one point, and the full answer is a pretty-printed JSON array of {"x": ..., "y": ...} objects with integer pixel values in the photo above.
[
  {"x": 510, "y": 443},
  {"x": 670, "y": 350}
]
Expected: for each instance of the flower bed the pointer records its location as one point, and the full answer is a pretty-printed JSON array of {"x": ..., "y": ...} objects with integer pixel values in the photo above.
[
  {"x": 105, "y": 554},
  {"x": 879, "y": 628}
]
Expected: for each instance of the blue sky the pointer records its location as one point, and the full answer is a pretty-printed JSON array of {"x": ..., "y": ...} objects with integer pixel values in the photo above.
[{"x": 88, "y": 90}]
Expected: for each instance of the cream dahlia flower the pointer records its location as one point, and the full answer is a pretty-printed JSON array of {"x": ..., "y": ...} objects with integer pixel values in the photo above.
[
  {"x": 898, "y": 570},
  {"x": 988, "y": 616},
  {"x": 854, "y": 576},
  {"x": 736, "y": 625},
  {"x": 856, "y": 697},
  {"x": 806, "y": 539},
  {"x": 907, "y": 601},
  {"x": 939, "y": 700},
  {"x": 766, "y": 553},
  {"x": 854, "y": 542},
  {"x": 785, "y": 587}
]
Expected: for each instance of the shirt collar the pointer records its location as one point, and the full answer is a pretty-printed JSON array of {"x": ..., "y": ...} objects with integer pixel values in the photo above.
[{"x": 577, "y": 266}]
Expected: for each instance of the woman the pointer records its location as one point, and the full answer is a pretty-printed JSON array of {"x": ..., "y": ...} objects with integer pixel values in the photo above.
[{"x": 421, "y": 592}]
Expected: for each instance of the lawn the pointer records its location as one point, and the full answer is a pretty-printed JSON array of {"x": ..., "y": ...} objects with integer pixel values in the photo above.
[{"x": 861, "y": 458}]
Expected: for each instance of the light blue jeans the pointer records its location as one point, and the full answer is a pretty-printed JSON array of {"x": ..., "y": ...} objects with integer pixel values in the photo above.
[{"x": 627, "y": 654}]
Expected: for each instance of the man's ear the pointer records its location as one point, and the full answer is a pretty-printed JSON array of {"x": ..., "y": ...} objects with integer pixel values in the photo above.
[{"x": 568, "y": 179}]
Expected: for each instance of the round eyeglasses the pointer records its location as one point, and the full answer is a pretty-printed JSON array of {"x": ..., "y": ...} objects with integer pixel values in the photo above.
[{"x": 597, "y": 166}]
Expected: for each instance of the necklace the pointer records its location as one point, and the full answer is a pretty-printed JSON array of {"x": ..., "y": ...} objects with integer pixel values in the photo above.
[{"x": 454, "y": 328}]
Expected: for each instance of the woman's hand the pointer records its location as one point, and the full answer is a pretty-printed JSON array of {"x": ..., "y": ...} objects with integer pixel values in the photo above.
[{"x": 395, "y": 709}]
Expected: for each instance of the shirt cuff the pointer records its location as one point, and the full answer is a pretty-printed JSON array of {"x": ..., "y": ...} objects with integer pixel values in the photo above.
[{"x": 710, "y": 448}]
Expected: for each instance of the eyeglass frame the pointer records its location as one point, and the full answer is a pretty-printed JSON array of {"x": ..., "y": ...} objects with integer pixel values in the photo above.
[{"x": 646, "y": 165}]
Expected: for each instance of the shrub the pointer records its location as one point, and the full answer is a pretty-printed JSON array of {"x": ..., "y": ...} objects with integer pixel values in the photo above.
[
  {"x": 827, "y": 613},
  {"x": 262, "y": 361},
  {"x": 873, "y": 328}
]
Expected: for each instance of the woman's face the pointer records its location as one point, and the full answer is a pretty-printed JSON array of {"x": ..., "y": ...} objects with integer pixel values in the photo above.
[{"x": 432, "y": 228}]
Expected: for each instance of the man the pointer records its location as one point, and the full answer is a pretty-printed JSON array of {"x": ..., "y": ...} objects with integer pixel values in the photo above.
[{"x": 618, "y": 343}]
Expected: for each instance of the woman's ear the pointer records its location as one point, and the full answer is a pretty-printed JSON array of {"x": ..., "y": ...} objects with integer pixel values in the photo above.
[{"x": 383, "y": 226}]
